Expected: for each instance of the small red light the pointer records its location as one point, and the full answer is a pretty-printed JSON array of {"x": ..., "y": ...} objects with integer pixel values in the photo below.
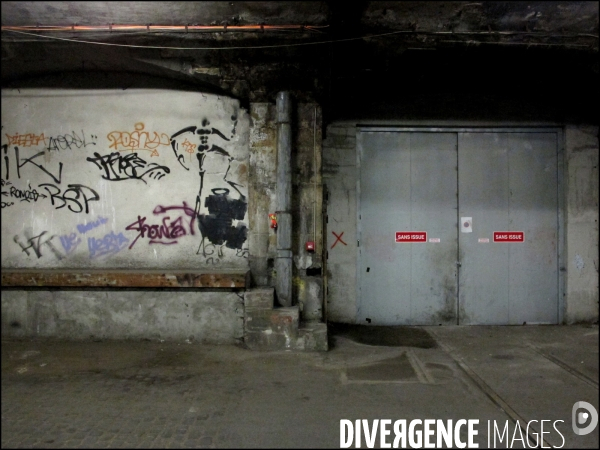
[{"x": 273, "y": 218}]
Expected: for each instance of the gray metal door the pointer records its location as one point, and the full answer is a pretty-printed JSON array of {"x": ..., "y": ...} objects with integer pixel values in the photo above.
[
  {"x": 508, "y": 182},
  {"x": 459, "y": 187},
  {"x": 408, "y": 183}
]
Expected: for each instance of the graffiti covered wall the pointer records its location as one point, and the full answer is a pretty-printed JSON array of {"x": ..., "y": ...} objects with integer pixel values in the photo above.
[{"x": 127, "y": 179}]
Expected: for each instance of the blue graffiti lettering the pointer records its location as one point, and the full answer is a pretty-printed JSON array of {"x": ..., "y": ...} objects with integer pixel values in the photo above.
[
  {"x": 70, "y": 242},
  {"x": 109, "y": 245},
  {"x": 85, "y": 227}
]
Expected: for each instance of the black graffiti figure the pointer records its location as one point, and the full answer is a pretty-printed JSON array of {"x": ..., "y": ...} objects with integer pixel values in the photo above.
[{"x": 216, "y": 212}]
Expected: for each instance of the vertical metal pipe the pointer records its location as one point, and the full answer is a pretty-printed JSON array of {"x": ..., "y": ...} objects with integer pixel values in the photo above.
[{"x": 283, "y": 262}]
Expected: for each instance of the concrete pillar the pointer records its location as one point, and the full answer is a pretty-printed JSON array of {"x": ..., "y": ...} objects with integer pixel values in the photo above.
[{"x": 283, "y": 262}]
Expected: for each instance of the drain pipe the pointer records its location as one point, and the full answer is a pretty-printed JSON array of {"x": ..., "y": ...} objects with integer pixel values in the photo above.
[{"x": 283, "y": 262}]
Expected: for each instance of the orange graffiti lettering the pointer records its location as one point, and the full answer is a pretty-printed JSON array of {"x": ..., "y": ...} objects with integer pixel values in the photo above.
[
  {"x": 25, "y": 140},
  {"x": 138, "y": 140},
  {"x": 189, "y": 147}
]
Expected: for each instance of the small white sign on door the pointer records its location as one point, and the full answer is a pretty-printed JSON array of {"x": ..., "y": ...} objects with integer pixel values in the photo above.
[{"x": 466, "y": 224}]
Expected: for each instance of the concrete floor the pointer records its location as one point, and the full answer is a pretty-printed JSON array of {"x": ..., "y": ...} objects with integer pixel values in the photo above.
[{"x": 178, "y": 394}]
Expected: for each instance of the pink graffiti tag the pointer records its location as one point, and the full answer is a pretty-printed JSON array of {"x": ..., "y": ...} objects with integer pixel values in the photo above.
[{"x": 169, "y": 231}]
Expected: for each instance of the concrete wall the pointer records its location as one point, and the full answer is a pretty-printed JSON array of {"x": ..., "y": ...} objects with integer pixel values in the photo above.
[
  {"x": 262, "y": 191},
  {"x": 340, "y": 176},
  {"x": 113, "y": 232},
  {"x": 581, "y": 259},
  {"x": 135, "y": 178},
  {"x": 207, "y": 317},
  {"x": 124, "y": 179},
  {"x": 307, "y": 198},
  {"x": 581, "y": 207},
  {"x": 307, "y": 195}
]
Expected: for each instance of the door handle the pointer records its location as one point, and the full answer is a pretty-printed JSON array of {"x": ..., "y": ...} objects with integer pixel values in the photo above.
[{"x": 458, "y": 263}]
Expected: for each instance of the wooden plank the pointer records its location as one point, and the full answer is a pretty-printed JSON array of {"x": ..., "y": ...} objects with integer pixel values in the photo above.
[{"x": 125, "y": 279}]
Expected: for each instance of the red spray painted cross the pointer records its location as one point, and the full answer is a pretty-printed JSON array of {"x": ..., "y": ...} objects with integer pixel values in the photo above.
[{"x": 338, "y": 238}]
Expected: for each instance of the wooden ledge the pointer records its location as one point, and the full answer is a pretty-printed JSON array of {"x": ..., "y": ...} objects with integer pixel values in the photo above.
[{"x": 138, "y": 279}]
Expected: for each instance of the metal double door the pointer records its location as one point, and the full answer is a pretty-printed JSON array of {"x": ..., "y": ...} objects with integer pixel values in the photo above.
[{"x": 462, "y": 188}]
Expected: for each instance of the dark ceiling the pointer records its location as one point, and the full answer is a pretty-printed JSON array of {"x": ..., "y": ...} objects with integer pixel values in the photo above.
[{"x": 347, "y": 56}]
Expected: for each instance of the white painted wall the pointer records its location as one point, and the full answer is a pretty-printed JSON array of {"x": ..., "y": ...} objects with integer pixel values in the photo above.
[{"x": 90, "y": 179}]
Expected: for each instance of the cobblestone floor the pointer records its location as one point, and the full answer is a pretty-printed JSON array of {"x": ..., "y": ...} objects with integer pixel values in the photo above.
[
  {"x": 176, "y": 395},
  {"x": 93, "y": 411}
]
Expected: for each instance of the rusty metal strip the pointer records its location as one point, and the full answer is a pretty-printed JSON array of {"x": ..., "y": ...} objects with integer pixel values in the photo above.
[{"x": 125, "y": 279}]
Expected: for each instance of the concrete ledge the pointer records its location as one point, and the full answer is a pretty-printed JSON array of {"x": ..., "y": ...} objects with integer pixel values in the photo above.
[
  {"x": 143, "y": 279},
  {"x": 312, "y": 337},
  {"x": 271, "y": 329},
  {"x": 279, "y": 320},
  {"x": 279, "y": 329},
  {"x": 214, "y": 317},
  {"x": 259, "y": 298}
]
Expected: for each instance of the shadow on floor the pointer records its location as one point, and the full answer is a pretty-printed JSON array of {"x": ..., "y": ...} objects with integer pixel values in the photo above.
[{"x": 386, "y": 336}]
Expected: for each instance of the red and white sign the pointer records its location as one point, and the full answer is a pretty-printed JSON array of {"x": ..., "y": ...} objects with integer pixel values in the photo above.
[
  {"x": 509, "y": 236},
  {"x": 411, "y": 236}
]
